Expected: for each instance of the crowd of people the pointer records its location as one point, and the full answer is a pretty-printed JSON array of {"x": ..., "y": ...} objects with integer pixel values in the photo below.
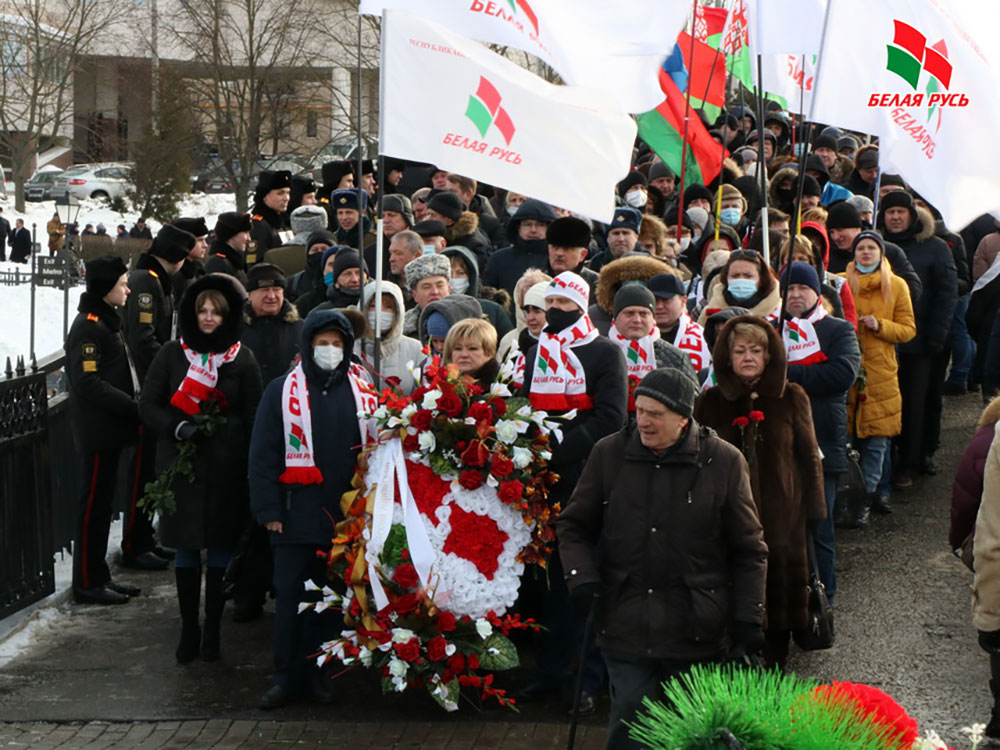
[{"x": 677, "y": 342}]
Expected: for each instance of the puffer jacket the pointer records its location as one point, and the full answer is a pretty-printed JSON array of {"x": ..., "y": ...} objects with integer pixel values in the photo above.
[
  {"x": 684, "y": 554},
  {"x": 396, "y": 349},
  {"x": 880, "y": 413},
  {"x": 613, "y": 276},
  {"x": 967, "y": 489}
]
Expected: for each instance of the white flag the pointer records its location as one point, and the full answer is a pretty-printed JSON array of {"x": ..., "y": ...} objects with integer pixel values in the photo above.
[
  {"x": 452, "y": 102},
  {"x": 786, "y": 27},
  {"x": 787, "y": 77},
  {"x": 911, "y": 73},
  {"x": 617, "y": 48}
]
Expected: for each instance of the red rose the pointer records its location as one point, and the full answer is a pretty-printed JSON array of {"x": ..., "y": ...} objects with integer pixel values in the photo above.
[
  {"x": 411, "y": 443},
  {"x": 456, "y": 663},
  {"x": 501, "y": 466},
  {"x": 741, "y": 422},
  {"x": 499, "y": 406},
  {"x": 450, "y": 404},
  {"x": 436, "y": 649},
  {"x": 422, "y": 419},
  {"x": 510, "y": 492},
  {"x": 476, "y": 454},
  {"x": 406, "y": 576},
  {"x": 756, "y": 416},
  {"x": 418, "y": 395},
  {"x": 409, "y": 651},
  {"x": 446, "y": 622},
  {"x": 862, "y": 397},
  {"x": 406, "y": 603},
  {"x": 470, "y": 479},
  {"x": 473, "y": 661},
  {"x": 461, "y": 445},
  {"x": 481, "y": 412}
]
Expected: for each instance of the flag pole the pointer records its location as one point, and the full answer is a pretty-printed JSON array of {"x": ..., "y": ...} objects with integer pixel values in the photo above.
[
  {"x": 684, "y": 138},
  {"x": 358, "y": 178},
  {"x": 722, "y": 146},
  {"x": 802, "y": 156},
  {"x": 761, "y": 164},
  {"x": 379, "y": 238}
]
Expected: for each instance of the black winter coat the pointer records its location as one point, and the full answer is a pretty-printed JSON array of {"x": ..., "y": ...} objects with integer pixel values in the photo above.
[
  {"x": 266, "y": 224},
  {"x": 224, "y": 259},
  {"x": 149, "y": 312},
  {"x": 307, "y": 512},
  {"x": 827, "y": 384},
  {"x": 273, "y": 339},
  {"x": 190, "y": 271},
  {"x": 211, "y": 509},
  {"x": 505, "y": 266},
  {"x": 102, "y": 398},
  {"x": 898, "y": 261},
  {"x": 957, "y": 247}
]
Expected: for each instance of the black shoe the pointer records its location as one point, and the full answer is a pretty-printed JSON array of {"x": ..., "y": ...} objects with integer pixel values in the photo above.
[
  {"x": 319, "y": 690},
  {"x": 99, "y": 595},
  {"x": 588, "y": 705},
  {"x": 861, "y": 517},
  {"x": 930, "y": 468},
  {"x": 536, "y": 691},
  {"x": 166, "y": 554},
  {"x": 276, "y": 697},
  {"x": 882, "y": 505},
  {"x": 123, "y": 588},
  {"x": 190, "y": 644},
  {"x": 144, "y": 561},
  {"x": 954, "y": 389},
  {"x": 903, "y": 481},
  {"x": 247, "y": 611}
]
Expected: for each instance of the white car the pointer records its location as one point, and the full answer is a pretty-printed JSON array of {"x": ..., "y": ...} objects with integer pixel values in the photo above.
[{"x": 98, "y": 181}]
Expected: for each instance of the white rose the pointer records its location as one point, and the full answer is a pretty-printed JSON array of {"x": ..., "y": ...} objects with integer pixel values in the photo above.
[
  {"x": 397, "y": 667},
  {"x": 427, "y": 441},
  {"x": 430, "y": 399},
  {"x": 408, "y": 412},
  {"x": 506, "y": 431},
  {"x": 545, "y": 455},
  {"x": 484, "y": 629},
  {"x": 522, "y": 457},
  {"x": 402, "y": 635}
]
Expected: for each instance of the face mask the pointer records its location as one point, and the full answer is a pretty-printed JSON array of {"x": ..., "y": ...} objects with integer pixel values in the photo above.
[
  {"x": 327, "y": 357},
  {"x": 866, "y": 269},
  {"x": 511, "y": 210},
  {"x": 636, "y": 199},
  {"x": 459, "y": 286},
  {"x": 350, "y": 292},
  {"x": 328, "y": 278},
  {"x": 742, "y": 289},
  {"x": 730, "y": 216},
  {"x": 312, "y": 261},
  {"x": 385, "y": 321},
  {"x": 429, "y": 249},
  {"x": 685, "y": 243},
  {"x": 560, "y": 320}
]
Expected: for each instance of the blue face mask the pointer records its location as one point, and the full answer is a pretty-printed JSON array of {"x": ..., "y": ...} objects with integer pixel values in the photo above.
[
  {"x": 730, "y": 216},
  {"x": 328, "y": 278},
  {"x": 742, "y": 289},
  {"x": 867, "y": 269}
]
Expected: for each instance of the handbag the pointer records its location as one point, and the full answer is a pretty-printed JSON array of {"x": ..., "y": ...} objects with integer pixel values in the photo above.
[
  {"x": 852, "y": 493},
  {"x": 819, "y": 632}
]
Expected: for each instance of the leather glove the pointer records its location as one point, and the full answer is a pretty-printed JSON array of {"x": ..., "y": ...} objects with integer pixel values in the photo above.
[
  {"x": 747, "y": 638},
  {"x": 989, "y": 641},
  {"x": 186, "y": 430},
  {"x": 583, "y": 597}
]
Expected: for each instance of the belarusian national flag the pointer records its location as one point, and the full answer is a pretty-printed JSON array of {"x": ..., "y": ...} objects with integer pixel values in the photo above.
[{"x": 706, "y": 75}]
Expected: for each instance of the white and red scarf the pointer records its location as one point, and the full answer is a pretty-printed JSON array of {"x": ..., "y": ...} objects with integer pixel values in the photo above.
[
  {"x": 558, "y": 382},
  {"x": 690, "y": 339},
  {"x": 640, "y": 357},
  {"x": 801, "y": 342},
  {"x": 201, "y": 378},
  {"x": 296, "y": 421}
]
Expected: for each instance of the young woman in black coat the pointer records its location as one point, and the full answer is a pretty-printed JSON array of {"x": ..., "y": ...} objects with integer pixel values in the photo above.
[{"x": 207, "y": 364}]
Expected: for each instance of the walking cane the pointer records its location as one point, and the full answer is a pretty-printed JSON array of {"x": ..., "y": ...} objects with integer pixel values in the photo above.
[{"x": 578, "y": 687}]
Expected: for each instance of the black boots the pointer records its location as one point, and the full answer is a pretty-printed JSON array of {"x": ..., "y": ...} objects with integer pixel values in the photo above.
[
  {"x": 189, "y": 599},
  {"x": 862, "y": 512},
  {"x": 993, "y": 728},
  {"x": 214, "y": 603}
]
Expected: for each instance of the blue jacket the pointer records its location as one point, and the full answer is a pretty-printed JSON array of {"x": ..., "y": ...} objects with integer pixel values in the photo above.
[{"x": 307, "y": 512}]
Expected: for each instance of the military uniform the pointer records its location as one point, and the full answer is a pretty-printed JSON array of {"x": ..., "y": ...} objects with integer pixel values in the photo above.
[
  {"x": 224, "y": 259},
  {"x": 264, "y": 235}
]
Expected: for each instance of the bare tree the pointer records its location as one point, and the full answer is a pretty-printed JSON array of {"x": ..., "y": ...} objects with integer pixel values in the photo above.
[{"x": 42, "y": 45}]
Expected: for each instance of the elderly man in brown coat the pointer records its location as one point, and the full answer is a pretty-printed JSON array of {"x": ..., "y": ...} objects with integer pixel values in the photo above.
[{"x": 682, "y": 574}]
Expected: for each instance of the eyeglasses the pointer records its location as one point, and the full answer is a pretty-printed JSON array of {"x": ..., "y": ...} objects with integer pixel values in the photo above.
[{"x": 420, "y": 200}]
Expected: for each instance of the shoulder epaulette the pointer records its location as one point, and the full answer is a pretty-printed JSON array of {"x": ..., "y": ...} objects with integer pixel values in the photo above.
[
  {"x": 257, "y": 217},
  {"x": 154, "y": 274},
  {"x": 324, "y": 200},
  {"x": 93, "y": 318},
  {"x": 220, "y": 255}
]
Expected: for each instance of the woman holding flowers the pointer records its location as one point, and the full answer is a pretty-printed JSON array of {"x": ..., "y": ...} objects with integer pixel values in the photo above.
[{"x": 770, "y": 420}]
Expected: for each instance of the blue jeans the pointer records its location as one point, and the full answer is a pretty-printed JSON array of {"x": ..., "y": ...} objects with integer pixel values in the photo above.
[
  {"x": 963, "y": 348},
  {"x": 873, "y": 452},
  {"x": 216, "y": 557},
  {"x": 885, "y": 483},
  {"x": 823, "y": 537}
]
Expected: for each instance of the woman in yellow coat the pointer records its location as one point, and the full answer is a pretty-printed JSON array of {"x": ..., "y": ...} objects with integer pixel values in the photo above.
[{"x": 874, "y": 405}]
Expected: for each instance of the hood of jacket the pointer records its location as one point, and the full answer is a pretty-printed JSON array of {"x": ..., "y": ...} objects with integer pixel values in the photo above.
[
  {"x": 772, "y": 380},
  {"x": 785, "y": 173},
  {"x": 471, "y": 266},
  {"x": 288, "y": 314},
  {"x": 630, "y": 268},
  {"x": 466, "y": 224},
  {"x": 229, "y": 332},
  {"x": 368, "y": 293},
  {"x": 320, "y": 320},
  {"x": 820, "y": 229},
  {"x": 454, "y": 307}
]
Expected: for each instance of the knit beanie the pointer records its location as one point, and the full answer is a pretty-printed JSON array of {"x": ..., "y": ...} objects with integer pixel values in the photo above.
[
  {"x": 672, "y": 388},
  {"x": 801, "y": 273},
  {"x": 869, "y": 234},
  {"x": 231, "y": 223},
  {"x": 825, "y": 141},
  {"x": 345, "y": 260},
  {"x": 862, "y": 203},
  {"x": 810, "y": 186},
  {"x": 896, "y": 199},
  {"x": 437, "y": 325},
  {"x": 103, "y": 273},
  {"x": 321, "y": 236},
  {"x": 264, "y": 275},
  {"x": 634, "y": 295},
  {"x": 172, "y": 244},
  {"x": 631, "y": 179},
  {"x": 694, "y": 192},
  {"x": 843, "y": 216},
  {"x": 535, "y": 296},
  {"x": 195, "y": 226},
  {"x": 447, "y": 204},
  {"x": 427, "y": 265},
  {"x": 661, "y": 169}
]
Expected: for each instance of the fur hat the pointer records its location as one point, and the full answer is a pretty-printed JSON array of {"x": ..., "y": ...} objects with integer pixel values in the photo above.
[
  {"x": 269, "y": 180},
  {"x": 568, "y": 231},
  {"x": 231, "y": 223},
  {"x": 172, "y": 244},
  {"x": 427, "y": 265},
  {"x": 195, "y": 226},
  {"x": 308, "y": 219},
  {"x": 103, "y": 273}
]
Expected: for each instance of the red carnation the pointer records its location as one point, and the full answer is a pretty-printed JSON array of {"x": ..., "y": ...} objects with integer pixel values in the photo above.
[
  {"x": 741, "y": 422},
  {"x": 406, "y": 576},
  {"x": 466, "y": 680},
  {"x": 422, "y": 419},
  {"x": 411, "y": 443},
  {"x": 436, "y": 648},
  {"x": 499, "y": 406},
  {"x": 501, "y": 466},
  {"x": 510, "y": 492},
  {"x": 471, "y": 479},
  {"x": 409, "y": 651},
  {"x": 446, "y": 621},
  {"x": 756, "y": 416},
  {"x": 476, "y": 454},
  {"x": 481, "y": 412},
  {"x": 473, "y": 661},
  {"x": 450, "y": 404},
  {"x": 456, "y": 663}
]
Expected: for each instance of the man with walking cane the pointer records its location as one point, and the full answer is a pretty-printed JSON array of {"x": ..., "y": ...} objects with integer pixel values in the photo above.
[{"x": 680, "y": 579}]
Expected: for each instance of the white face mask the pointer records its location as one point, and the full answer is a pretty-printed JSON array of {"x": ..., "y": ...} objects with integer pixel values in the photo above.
[
  {"x": 685, "y": 243},
  {"x": 385, "y": 320},
  {"x": 636, "y": 199},
  {"x": 328, "y": 357},
  {"x": 511, "y": 210},
  {"x": 429, "y": 249},
  {"x": 459, "y": 286}
]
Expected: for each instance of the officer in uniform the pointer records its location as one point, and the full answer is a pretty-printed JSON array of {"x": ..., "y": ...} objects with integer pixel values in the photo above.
[
  {"x": 353, "y": 224},
  {"x": 270, "y": 212},
  {"x": 194, "y": 265},
  {"x": 103, "y": 386},
  {"x": 149, "y": 324},
  {"x": 232, "y": 235}
]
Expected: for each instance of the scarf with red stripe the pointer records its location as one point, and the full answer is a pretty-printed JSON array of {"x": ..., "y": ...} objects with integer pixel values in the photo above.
[
  {"x": 640, "y": 357},
  {"x": 690, "y": 339},
  {"x": 801, "y": 342},
  {"x": 558, "y": 382},
  {"x": 201, "y": 378}
]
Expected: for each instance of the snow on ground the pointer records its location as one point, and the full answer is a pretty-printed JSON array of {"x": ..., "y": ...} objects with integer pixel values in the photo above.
[{"x": 15, "y": 301}]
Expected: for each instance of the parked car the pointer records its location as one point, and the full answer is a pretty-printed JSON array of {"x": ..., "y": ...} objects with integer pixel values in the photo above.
[
  {"x": 99, "y": 181},
  {"x": 216, "y": 178},
  {"x": 39, "y": 187}
]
